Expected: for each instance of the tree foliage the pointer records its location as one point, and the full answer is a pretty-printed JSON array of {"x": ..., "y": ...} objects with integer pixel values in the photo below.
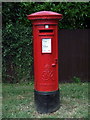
[{"x": 17, "y": 33}]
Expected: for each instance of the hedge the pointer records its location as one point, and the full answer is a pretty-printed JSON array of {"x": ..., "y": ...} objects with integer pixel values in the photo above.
[{"x": 17, "y": 33}]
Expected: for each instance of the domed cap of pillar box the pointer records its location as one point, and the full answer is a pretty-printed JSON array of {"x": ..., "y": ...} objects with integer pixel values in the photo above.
[{"x": 44, "y": 15}]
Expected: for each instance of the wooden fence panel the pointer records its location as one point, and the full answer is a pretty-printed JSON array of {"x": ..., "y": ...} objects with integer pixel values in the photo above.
[{"x": 73, "y": 54}]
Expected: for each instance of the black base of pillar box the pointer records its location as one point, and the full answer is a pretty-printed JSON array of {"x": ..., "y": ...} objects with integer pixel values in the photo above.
[{"x": 47, "y": 102}]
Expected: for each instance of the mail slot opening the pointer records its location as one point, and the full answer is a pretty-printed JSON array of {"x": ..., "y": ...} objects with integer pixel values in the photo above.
[{"x": 45, "y": 31}]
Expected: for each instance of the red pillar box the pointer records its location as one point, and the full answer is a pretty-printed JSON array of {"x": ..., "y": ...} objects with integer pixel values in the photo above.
[{"x": 45, "y": 38}]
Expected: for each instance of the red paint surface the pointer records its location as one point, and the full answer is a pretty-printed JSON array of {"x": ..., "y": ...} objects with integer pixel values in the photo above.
[
  {"x": 44, "y": 15},
  {"x": 45, "y": 64}
]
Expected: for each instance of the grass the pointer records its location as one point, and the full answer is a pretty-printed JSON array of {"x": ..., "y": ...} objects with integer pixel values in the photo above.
[{"x": 18, "y": 101}]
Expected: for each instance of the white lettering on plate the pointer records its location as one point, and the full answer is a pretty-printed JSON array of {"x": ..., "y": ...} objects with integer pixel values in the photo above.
[{"x": 46, "y": 45}]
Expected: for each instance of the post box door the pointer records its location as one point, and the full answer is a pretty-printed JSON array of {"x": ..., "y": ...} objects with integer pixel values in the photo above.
[{"x": 46, "y": 60}]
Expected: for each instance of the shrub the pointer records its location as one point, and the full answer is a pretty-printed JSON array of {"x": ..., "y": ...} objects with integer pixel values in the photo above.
[
  {"x": 17, "y": 33},
  {"x": 17, "y": 53}
]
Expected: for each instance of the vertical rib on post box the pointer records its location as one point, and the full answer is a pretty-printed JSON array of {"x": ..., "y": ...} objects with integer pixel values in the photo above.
[{"x": 45, "y": 38}]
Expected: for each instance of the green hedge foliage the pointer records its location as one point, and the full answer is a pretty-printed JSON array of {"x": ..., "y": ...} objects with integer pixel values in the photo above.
[
  {"x": 17, "y": 33},
  {"x": 17, "y": 53}
]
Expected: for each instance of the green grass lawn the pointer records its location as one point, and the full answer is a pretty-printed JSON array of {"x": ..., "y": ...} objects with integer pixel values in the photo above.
[{"x": 18, "y": 101}]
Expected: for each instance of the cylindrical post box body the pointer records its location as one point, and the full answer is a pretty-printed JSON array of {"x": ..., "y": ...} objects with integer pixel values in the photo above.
[{"x": 45, "y": 43}]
